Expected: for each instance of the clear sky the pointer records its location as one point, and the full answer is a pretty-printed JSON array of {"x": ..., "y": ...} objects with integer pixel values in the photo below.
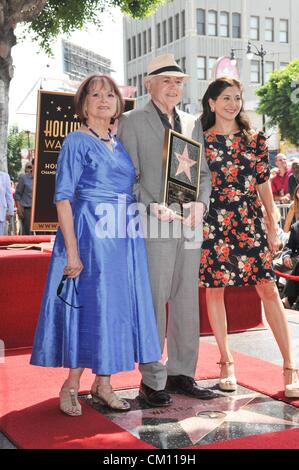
[{"x": 30, "y": 64}]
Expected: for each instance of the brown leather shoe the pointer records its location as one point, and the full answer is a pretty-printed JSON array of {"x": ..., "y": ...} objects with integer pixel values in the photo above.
[{"x": 154, "y": 398}]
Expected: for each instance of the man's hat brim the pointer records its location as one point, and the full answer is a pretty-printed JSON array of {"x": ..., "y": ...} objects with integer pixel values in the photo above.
[{"x": 169, "y": 73}]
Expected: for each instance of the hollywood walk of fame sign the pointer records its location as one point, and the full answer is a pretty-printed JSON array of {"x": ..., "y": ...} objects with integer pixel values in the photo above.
[
  {"x": 130, "y": 103},
  {"x": 181, "y": 170},
  {"x": 56, "y": 117}
]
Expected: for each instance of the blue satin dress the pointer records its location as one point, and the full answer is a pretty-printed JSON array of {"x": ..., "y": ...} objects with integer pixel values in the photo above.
[{"x": 116, "y": 325}]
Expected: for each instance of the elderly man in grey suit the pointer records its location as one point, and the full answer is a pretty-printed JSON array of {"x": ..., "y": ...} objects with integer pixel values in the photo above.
[{"x": 173, "y": 260}]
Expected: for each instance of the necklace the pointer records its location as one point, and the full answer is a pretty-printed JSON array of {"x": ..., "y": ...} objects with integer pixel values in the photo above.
[{"x": 97, "y": 135}]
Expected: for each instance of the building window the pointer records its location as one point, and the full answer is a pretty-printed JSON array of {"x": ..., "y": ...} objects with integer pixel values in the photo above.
[
  {"x": 255, "y": 71},
  {"x": 129, "y": 51},
  {"x": 183, "y": 20},
  {"x": 224, "y": 24},
  {"x": 211, "y": 62},
  {"x": 130, "y": 81},
  {"x": 212, "y": 23},
  {"x": 144, "y": 87},
  {"x": 236, "y": 20},
  {"x": 79, "y": 62},
  {"x": 282, "y": 65},
  {"x": 158, "y": 35},
  {"x": 144, "y": 43},
  {"x": 183, "y": 67},
  {"x": 134, "y": 47},
  {"x": 201, "y": 68},
  {"x": 269, "y": 68},
  {"x": 164, "y": 33},
  {"x": 283, "y": 31},
  {"x": 254, "y": 28},
  {"x": 170, "y": 29},
  {"x": 177, "y": 26},
  {"x": 201, "y": 21},
  {"x": 149, "y": 37},
  {"x": 135, "y": 82},
  {"x": 269, "y": 29},
  {"x": 140, "y": 85},
  {"x": 139, "y": 45}
]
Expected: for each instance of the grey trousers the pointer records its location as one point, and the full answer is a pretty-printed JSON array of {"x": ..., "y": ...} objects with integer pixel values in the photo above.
[
  {"x": 174, "y": 279},
  {"x": 25, "y": 222}
]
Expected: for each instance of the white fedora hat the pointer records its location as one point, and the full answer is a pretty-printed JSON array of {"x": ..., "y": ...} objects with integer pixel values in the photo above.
[{"x": 165, "y": 65}]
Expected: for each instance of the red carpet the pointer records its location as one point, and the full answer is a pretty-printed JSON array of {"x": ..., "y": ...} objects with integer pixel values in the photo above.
[
  {"x": 251, "y": 318},
  {"x": 6, "y": 240},
  {"x": 31, "y": 419},
  {"x": 22, "y": 280},
  {"x": 26, "y": 271}
]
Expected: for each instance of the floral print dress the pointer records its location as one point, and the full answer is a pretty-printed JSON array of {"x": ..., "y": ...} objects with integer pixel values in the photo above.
[{"x": 235, "y": 250}]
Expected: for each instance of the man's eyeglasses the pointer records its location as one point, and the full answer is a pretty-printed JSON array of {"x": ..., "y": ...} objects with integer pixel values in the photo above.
[{"x": 59, "y": 290}]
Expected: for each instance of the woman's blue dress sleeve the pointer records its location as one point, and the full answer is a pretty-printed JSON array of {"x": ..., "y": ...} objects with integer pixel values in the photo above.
[{"x": 70, "y": 165}]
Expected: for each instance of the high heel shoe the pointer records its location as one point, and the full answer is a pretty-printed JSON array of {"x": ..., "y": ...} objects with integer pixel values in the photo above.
[
  {"x": 69, "y": 404},
  {"x": 228, "y": 383},
  {"x": 104, "y": 394},
  {"x": 292, "y": 389}
]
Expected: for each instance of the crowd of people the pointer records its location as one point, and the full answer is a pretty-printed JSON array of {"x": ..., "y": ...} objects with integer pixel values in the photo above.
[
  {"x": 284, "y": 179},
  {"x": 104, "y": 302},
  {"x": 285, "y": 188}
]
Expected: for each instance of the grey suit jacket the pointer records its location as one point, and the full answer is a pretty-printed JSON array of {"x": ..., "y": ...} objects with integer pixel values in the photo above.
[{"x": 142, "y": 133}]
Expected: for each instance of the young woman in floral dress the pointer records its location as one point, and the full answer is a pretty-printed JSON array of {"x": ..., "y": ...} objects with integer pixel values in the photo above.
[{"x": 236, "y": 250}]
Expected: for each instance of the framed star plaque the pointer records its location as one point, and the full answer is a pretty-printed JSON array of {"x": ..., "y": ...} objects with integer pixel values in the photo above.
[{"x": 181, "y": 170}]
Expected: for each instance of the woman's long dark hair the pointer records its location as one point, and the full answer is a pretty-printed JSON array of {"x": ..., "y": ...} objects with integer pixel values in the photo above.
[
  {"x": 214, "y": 90},
  {"x": 296, "y": 200}
]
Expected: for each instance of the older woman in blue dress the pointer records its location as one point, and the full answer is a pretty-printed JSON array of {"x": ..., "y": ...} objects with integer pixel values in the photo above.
[{"x": 101, "y": 315}]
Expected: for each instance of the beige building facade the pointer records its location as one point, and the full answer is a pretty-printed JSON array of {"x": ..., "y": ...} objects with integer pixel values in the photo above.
[{"x": 198, "y": 32}]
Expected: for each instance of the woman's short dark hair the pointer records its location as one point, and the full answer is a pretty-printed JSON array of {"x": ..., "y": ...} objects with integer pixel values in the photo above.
[
  {"x": 87, "y": 85},
  {"x": 214, "y": 90}
]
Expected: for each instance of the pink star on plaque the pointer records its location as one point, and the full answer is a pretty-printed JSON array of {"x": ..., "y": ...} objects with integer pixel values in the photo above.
[{"x": 185, "y": 163}]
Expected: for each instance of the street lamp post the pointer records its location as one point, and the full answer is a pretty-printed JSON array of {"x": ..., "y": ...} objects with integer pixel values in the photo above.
[
  {"x": 249, "y": 54},
  {"x": 259, "y": 53}
]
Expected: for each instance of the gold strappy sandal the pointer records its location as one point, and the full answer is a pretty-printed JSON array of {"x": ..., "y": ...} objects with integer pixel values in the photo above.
[
  {"x": 104, "y": 394},
  {"x": 69, "y": 404}
]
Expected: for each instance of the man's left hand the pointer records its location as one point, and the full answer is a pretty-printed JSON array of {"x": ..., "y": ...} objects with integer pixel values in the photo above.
[{"x": 195, "y": 216}]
